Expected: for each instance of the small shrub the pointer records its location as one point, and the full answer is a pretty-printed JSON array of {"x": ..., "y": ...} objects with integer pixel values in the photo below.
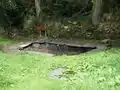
[
  {"x": 29, "y": 25},
  {"x": 109, "y": 30}
]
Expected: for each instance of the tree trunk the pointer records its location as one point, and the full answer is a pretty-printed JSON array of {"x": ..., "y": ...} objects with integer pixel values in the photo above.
[
  {"x": 97, "y": 11},
  {"x": 38, "y": 9}
]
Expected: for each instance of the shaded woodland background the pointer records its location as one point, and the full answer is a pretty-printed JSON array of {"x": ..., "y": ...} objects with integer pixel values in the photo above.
[{"x": 84, "y": 19}]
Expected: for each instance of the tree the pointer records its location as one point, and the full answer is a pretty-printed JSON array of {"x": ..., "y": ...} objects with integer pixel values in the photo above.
[
  {"x": 38, "y": 9},
  {"x": 97, "y": 11}
]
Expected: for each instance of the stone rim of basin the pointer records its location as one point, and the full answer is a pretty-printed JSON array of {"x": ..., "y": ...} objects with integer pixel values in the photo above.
[
  {"x": 39, "y": 53},
  {"x": 33, "y": 44}
]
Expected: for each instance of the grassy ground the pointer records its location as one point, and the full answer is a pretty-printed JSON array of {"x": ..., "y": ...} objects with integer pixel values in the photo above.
[
  {"x": 6, "y": 41},
  {"x": 97, "y": 71}
]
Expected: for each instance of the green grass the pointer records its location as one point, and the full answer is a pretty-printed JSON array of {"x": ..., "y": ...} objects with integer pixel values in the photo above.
[
  {"x": 97, "y": 71},
  {"x": 6, "y": 41}
]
